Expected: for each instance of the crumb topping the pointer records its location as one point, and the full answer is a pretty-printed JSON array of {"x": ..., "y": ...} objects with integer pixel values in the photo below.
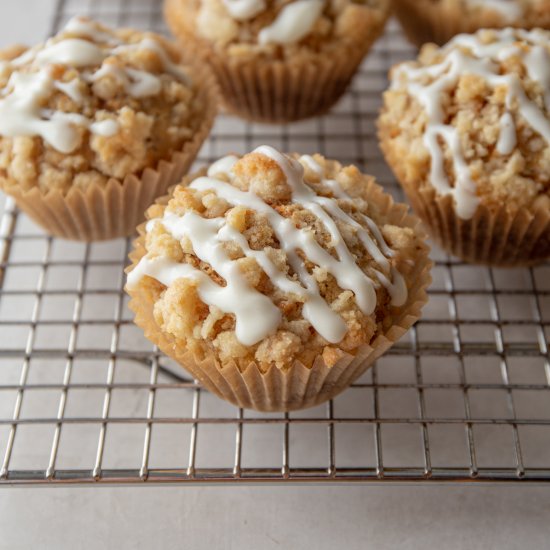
[
  {"x": 280, "y": 28},
  {"x": 274, "y": 259},
  {"x": 472, "y": 119},
  {"x": 91, "y": 104}
]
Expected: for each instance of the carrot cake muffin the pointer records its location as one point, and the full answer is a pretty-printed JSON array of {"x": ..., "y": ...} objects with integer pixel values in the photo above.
[
  {"x": 439, "y": 20},
  {"x": 279, "y": 60},
  {"x": 277, "y": 280},
  {"x": 95, "y": 123},
  {"x": 466, "y": 130}
]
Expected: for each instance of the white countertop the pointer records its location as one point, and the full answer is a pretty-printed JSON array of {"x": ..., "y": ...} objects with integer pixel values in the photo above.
[
  {"x": 264, "y": 518},
  {"x": 196, "y": 517}
]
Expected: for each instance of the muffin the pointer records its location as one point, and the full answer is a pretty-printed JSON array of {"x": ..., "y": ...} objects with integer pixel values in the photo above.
[
  {"x": 466, "y": 130},
  {"x": 277, "y": 280},
  {"x": 96, "y": 123},
  {"x": 438, "y": 21},
  {"x": 279, "y": 61}
]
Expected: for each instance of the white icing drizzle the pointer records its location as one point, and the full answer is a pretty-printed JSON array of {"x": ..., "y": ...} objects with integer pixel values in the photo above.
[
  {"x": 222, "y": 166},
  {"x": 293, "y": 22},
  {"x": 70, "y": 89},
  {"x": 339, "y": 193},
  {"x": 148, "y": 43},
  {"x": 137, "y": 83},
  {"x": 507, "y": 139},
  {"x": 466, "y": 54},
  {"x": 26, "y": 57},
  {"x": 21, "y": 113},
  {"x": 105, "y": 128},
  {"x": 538, "y": 67},
  {"x": 312, "y": 164},
  {"x": 72, "y": 52},
  {"x": 256, "y": 316},
  {"x": 80, "y": 26},
  {"x": 143, "y": 84},
  {"x": 510, "y": 10},
  {"x": 242, "y": 10}
]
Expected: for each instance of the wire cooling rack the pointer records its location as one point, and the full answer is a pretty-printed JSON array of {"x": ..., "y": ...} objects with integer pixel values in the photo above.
[{"x": 84, "y": 398}]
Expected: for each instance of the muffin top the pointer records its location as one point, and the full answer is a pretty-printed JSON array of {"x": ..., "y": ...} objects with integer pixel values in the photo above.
[
  {"x": 274, "y": 259},
  {"x": 91, "y": 104},
  {"x": 279, "y": 27},
  {"x": 472, "y": 119},
  {"x": 505, "y": 12}
]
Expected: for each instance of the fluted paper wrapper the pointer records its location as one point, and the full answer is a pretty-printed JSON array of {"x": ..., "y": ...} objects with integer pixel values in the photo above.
[
  {"x": 277, "y": 91},
  {"x": 493, "y": 236},
  {"x": 99, "y": 213},
  {"x": 283, "y": 91},
  {"x": 490, "y": 237},
  {"x": 297, "y": 387},
  {"x": 427, "y": 21}
]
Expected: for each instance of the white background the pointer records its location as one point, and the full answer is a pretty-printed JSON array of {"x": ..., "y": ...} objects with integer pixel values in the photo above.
[{"x": 195, "y": 517}]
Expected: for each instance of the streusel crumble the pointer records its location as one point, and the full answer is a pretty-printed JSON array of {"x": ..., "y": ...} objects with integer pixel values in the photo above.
[
  {"x": 470, "y": 121},
  {"x": 92, "y": 104},
  {"x": 273, "y": 260},
  {"x": 276, "y": 60},
  {"x": 282, "y": 29}
]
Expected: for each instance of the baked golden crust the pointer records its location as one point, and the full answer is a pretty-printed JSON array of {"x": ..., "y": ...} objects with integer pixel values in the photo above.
[
  {"x": 150, "y": 128},
  {"x": 474, "y": 108},
  {"x": 207, "y": 331},
  {"x": 343, "y": 23}
]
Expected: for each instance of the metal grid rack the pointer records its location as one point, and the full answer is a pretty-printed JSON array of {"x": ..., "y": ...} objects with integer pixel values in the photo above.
[{"x": 85, "y": 398}]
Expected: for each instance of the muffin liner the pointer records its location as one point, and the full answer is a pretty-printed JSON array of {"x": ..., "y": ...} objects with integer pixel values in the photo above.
[
  {"x": 426, "y": 21},
  {"x": 98, "y": 213},
  {"x": 491, "y": 237},
  {"x": 280, "y": 91},
  {"x": 297, "y": 387},
  {"x": 277, "y": 91}
]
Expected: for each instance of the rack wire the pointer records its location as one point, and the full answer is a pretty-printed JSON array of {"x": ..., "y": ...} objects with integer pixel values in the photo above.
[{"x": 84, "y": 398}]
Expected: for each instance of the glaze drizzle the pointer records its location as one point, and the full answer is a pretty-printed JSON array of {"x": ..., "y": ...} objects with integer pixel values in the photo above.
[
  {"x": 467, "y": 54},
  {"x": 83, "y": 44},
  {"x": 256, "y": 315},
  {"x": 293, "y": 23}
]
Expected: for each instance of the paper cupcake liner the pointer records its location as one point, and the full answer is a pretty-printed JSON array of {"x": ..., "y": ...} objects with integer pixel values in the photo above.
[
  {"x": 495, "y": 235},
  {"x": 491, "y": 237},
  {"x": 276, "y": 91},
  {"x": 99, "y": 213},
  {"x": 297, "y": 387}
]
